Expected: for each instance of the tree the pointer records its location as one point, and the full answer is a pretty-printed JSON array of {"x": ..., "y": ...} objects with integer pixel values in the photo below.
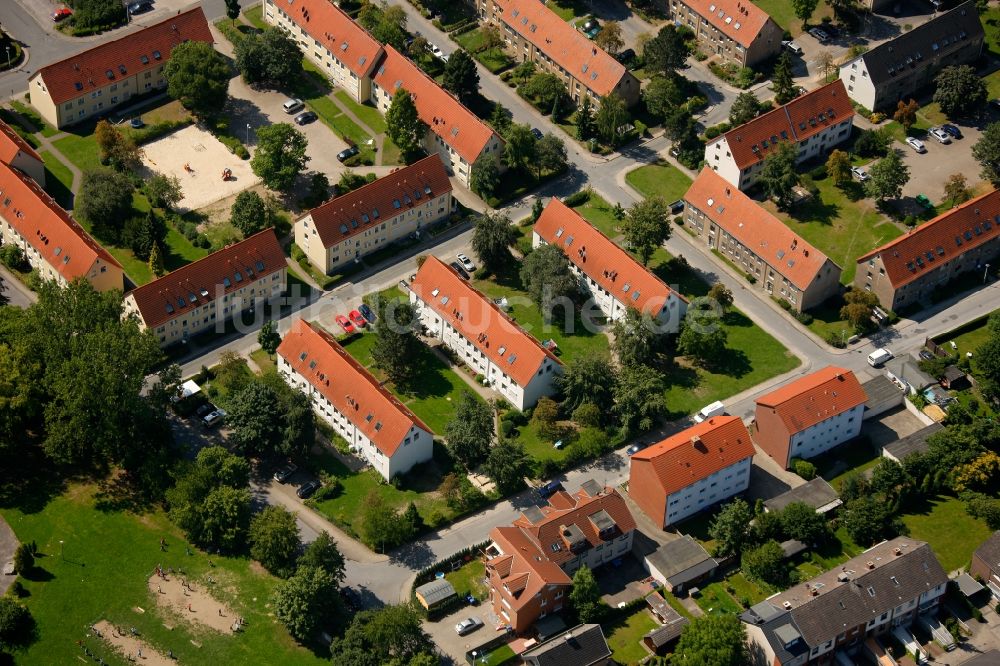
[
  {"x": 550, "y": 154},
  {"x": 548, "y": 90},
  {"x": 662, "y": 96},
  {"x": 380, "y": 524},
  {"x": 461, "y": 76},
  {"x": 638, "y": 397},
  {"x": 141, "y": 232},
  {"x": 386, "y": 23},
  {"x": 782, "y": 82},
  {"x": 804, "y": 9},
  {"x": 500, "y": 118},
  {"x": 17, "y": 627},
  {"x": 250, "y": 213},
  {"x": 635, "y": 338},
  {"x": 485, "y": 176},
  {"x": 960, "y": 91},
  {"x": 585, "y": 120},
  {"x": 712, "y": 640},
  {"x": 402, "y": 123},
  {"x": 523, "y": 71},
  {"x": 521, "y": 146},
  {"x": 800, "y": 521},
  {"x": 977, "y": 475},
  {"x": 269, "y": 58},
  {"x": 507, "y": 464},
  {"x": 492, "y": 38},
  {"x": 703, "y": 347},
  {"x": 305, "y": 602},
  {"x": 396, "y": 345},
  {"x": 390, "y": 635},
  {"x": 906, "y": 113},
  {"x": 956, "y": 189},
  {"x": 838, "y": 167},
  {"x": 587, "y": 379},
  {"x": 987, "y": 357},
  {"x": 667, "y": 51},
  {"x": 163, "y": 191},
  {"x": 888, "y": 176},
  {"x": 105, "y": 201},
  {"x": 298, "y": 421},
  {"x": 225, "y": 518},
  {"x": 778, "y": 175},
  {"x": 268, "y": 337},
  {"x": 274, "y": 540},
  {"x": 611, "y": 115},
  {"x": 765, "y": 563},
  {"x": 546, "y": 276},
  {"x": 826, "y": 63},
  {"x": 491, "y": 240},
  {"x": 873, "y": 143},
  {"x": 845, "y": 10},
  {"x": 857, "y": 308},
  {"x": 869, "y": 520},
  {"x": 118, "y": 151},
  {"x": 721, "y": 294},
  {"x": 745, "y": 108},
  {"x": 731, "y": 528},
  {"x": 280, "y": 157},
  {"x": 233, "y": 10},
  {"x": 24, "y": 560},
  {"x": 198, "y": 76},
  {"x": 987, "y": 153},
  {"x": 610, "y": 37},
  {"x": 324, "y": 554},
  {"x": 585, "y": 596},
  {"x": 470, "y": 432},
  {"x": 97, "y": 15},
  {"x": 155, "y": 262},
  {"x": 889, "y": 479},
  {"x": 255, "y": 419},
  {"x": 545, "y": 418},
  {"x": 646, "y": 226}
]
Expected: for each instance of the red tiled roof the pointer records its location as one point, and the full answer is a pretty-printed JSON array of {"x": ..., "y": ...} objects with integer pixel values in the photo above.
[
  {"x": 458, "y": 127},
  {"x": 317, "y": 356},
  {"x": 816, "y": 397},
  {"x": 335, "y": 31},
  {"x": 372, "y": 204},
  {"x": 564, "y": 44},
  {"x": 740, "y": 20},
  {"x": 754, "y": 227},
  {"x": 942, "y": 239},
  {"x": 202, "y": 281},
  {"x": 525, "y": 568},
  {"x": 135, "y": 52},
  {"x": 57, "y": 237},
  {"x": 798, "y": 120},
  {"x": 698, "y": 452},
  {"x": 598, "y": 257},
  {"x": 482, "y": 323},
  {"x": 11, "y": 144}
]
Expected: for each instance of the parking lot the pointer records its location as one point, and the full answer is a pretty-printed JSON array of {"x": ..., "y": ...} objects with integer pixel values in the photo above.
[
  {"x": 930, "y": 171},
  {"x": 443, "y": 633}
]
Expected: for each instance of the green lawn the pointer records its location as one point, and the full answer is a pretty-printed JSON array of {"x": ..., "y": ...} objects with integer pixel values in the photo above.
[
  {"x": 366, "y": 113},
  {"x": 35, "y": 119},
  {"x": 8, "y": 117},
  {"x": 256, "y": 17},
  {"x": 80, "y": 150},
  {"x": 968, "y": 340},
  {"x": 99, "y": 572},
  {"x": 474, "y": 42},
  {"x": 391, "y": 154},
  {"x": 625, "y": 637},
  {"x": 659, "y": 180},
  {"x": 953, "y": 534},
  {"x": 567, "y": 9},
  {"x": 502, "y": 655},
  {"x": 58, "y": 179},
  {"x": 697, "y": 527},
  {"x": 783, "y": 14},
  {"x": 599, "y": 213},
  {"x": 469, "y": 579},
  {"x": 837, "y": 551},
  {"x": 855, "y": 456},
  {"x": 714, "y": 599}
]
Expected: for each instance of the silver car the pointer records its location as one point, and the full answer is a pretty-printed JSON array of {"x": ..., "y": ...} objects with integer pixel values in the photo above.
[
  {"x": 916, "y": 144},
  {"x": 468, "y": 625},
  {"x": 940, "y": 135}
]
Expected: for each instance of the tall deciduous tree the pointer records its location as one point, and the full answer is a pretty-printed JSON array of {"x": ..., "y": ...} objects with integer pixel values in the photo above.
[
  {"x": 987, "y": 153},
  {"x": 549, "y": 90},
  {"x": 520, "y": 151},
  {"x": 396, "y": 345},
  {"x": 470, "y": 432},
  {"x": 610, "y": 37},
  {"x": 713, "y": 640},
  {"x": 667, "y": 51},
  {"x": 484, "y": 178},
  {"x": 402, "y": 123},
  {"x": 638, "y": 395},
  {"x": 731, "y": 528},
  {"x": 662, "y": 96},
  {"x": 800, "y": 521},
  {"x": 838, "y": 167},
  {"x": 588, "y": 379},
  {"x": 781, "y": 80},
  {"x": 163, "y": 191},
  {"x": 550, "y": 154},
  {"x": 491, "y": 240},
  {"x": 585, "y": 120},
  {"x": 17, "y": 626},
  {"x": 721, "y": 294},
  {"x": 500, "y": 119},
  {"x": 306, "y": 602},
  {"x": 386, "y": 23},
  {"x": 778, "y": 175},
  {"x": 804, "y": 8},
  {"x": 635, "y": 338},
  {"x": 268, "y": 337},
  {"x": 857, "y": 308},
  {"x": 906, "y": 113},
  {"x": 765, "y": 563},
  {"x": 198, "y": 76},
  {"x": 324, "y": 554},
  {"x": 646, "y": 226},
  {"x": 956, "y": 189},
  {"x": 389, "y": 635},
  {"x": 118, "y": 151},
  {"x": 546, "y": 276},
  {"x": 611, "y": 115},
  {"x": 887, "y": 177},
  {"x": 233, "y": 10},
  {"x": 280, "y": 157},
  {"x": 745, "y": 108},
  {"x": 507, "y": 464},
  {"x": 274, "y": 540},
  {"x": 585, "y": 597},
  {"x": 461, "y": 76},
  {"x": 268, "y": 58},
  {"x": 105, "y": 201},
  {"x": 960, "y": 90},
  {"x": 381, "y": 526},
  {"x": 255, "y": 419},
  {"x": 703, "y": 347},
  {"x": 250, "y": 213}
]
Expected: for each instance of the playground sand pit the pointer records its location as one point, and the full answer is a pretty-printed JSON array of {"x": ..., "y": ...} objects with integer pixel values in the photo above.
[
  {"x": 191, "y": 603},
  {"x": 205, "y": 158},
  {"x": 131, "y": 647}
]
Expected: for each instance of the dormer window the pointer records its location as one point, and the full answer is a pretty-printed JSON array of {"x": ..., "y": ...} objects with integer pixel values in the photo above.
[
  {"x": 239, "y": 276},
  {"x": 144, "y": 59}
]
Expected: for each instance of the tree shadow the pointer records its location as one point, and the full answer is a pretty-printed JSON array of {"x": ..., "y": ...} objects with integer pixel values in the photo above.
[
  {"x": 735, "y": 363},
  {"x": 416, "y": 555},
  {"x": 38, "y": 575},
  {"x": 429, "y": 380},
  {"x": 32, "y": 483},
  {"x": 120, "y": 492},
  {"x": 815, "y": 210}
]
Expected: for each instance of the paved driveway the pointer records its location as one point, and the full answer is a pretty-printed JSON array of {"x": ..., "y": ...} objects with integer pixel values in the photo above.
[
  {"x": 443, "y": 633},
  {"x": 930, "y": 171}
]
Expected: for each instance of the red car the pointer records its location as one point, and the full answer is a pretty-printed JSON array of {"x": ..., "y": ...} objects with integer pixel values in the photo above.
[
  {"x": 345, "y": 324},
  {"x": 61, "y": 13},
  {"x": 358, "y": 320}
]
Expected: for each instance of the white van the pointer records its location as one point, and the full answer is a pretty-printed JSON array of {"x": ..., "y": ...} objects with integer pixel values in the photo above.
[
  {"x": 879, "y": 356},
  {"x": 708, "y": 411}
]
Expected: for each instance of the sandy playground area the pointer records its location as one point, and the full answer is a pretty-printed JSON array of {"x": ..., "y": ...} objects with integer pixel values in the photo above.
[
  {"x": 191, "y": 602},
  {"x": 205, "y": 158},
  {"x": 130, "y": 647}
]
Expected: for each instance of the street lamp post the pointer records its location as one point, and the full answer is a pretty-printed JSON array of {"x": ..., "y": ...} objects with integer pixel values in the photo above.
[
  {"x": 61, "y": 556},
  {"x": 248, "y": 133},
  {"x": 986, "y": 273},
  {"x": 8, "y": 56}
]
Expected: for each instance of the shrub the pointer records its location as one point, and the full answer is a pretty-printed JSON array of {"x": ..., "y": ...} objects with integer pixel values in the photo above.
[
  {"x": 785, "y": 305},
  {"x": 297, "y": 253},
  {"x": 804, "y": 318},
  {"x": 835, "y": 340},
  {"x": 640, "y": 128},
  {"x": 506, "y": 428},
  {"x": 819, "y": 173},
  {"x": 578, "y": 198},
  {"x": 587, "y": 415},
  {"x": 751, "y": 279},
  {"x": 679, "y": 220},
  {"x": 332, "y": 487},
  {"x": 804, "y": 468},
  {"x": 13, "y": 257},
  {"x": 877, "y": 117}
]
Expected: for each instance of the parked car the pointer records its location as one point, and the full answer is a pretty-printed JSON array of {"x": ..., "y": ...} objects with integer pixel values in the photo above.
[
  {"x": 716, "y": 408},
  {"x": 792, "y": 46},
  {"x": 140, "y": 7},
  {"x": 831, "y": 30},
  {"x": 61, "y": 14},
  {"x": 537, "y": 133},
  {"x": 879, "y": 357},
  {"x": 549, "y": 489},
  {"x": 591, "y": 28},
  {"x": 347, "y": 153},
  {"x": 466, "y": 262},
  {"x": 952, "y": 130},
  {"x": 926, "y": 355},
  {"x": 675, "y": 151},
  {"x": 677, "y": 207},
  {"x": 305, "y": 118},
  {"x": 357, "y": 319},
  {"x": 916, "y": 144},
  {"x": 995, "y": 103},
  {"x": 626, "y": 57},
  {"x": 860, "y": 173},
  {"x": 308, "y": 488},
  {"x": 213, "y": 419},
  {"x": 136, "y": 123},
  {"x": 204, "y": 409},
  {"x": 820, "y": 35},
  {"x": 345, "y": 324},
  {"x": 939, "y": 134},
  {"x": 468, "y": 625},
  {"x": 924, "y": 201},
  {"x": 367, "y": 313},
  {"x": 285, "y": 472},
  {"x": 634, "y": 449},
  {"x": 292, "y": 105},
  {"x": 460, "y": 270}
]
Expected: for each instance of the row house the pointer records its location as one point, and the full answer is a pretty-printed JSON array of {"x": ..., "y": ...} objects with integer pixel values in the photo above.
[
  {"x": 906, "y": 271},
  {"x": 692, "y": 470},
  {"x": 91, "y": 83},
  {"x": 530, "y": 564},
  {"x": 735, "y": 30},
  {"x": 451, "y": 310},
  {"x": 784, "y": 264},
  {"x": 885, "y": 587},
  {"x": 205, "y": 294},
  {"x": 535, "y": 33},
  {"x": 18, "y": 153},
  {"x": 816, "y": 122},
  {"x": 374, "y": 422},
  {"x": 613, "y": 279},
  {"x": 810, "y": 415},
  {"x": 899, "y": 68},
  {"x": 986, "y": 564},
  {"x": 398, "y": 205}
]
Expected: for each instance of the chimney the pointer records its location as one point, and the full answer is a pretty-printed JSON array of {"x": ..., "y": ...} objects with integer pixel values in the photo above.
[
  {"x": 870, "y": 564},
  {"x": 897, "y": 551}
]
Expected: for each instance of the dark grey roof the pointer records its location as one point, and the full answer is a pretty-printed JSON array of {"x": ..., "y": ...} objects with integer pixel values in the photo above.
[
  {"x": 684, "y": 558},
  {"x": 991, "y": 658},
  {"x": 816, "y": 493},
  {"x": 792, "y": 547},
  {"x": 548, "y": 626},
  {"x": 913, "y": 443},
  {"x": 968, "y": 585},
  {"x": 879, "y": 389},
  {"x": 923, "y": 42},
  {"x": 435, "y": 591},
  {"x": 786, "y": 633},
  {"x": 668, "y": 632},
  {"x": 951, "y": 373},
  {"x": 593, "y": 488},
  {"x": 989, "y": 552},
  {"x": 582, "y": 645}
]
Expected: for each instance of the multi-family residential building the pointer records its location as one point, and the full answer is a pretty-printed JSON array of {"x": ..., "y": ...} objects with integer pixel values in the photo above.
[
  {"x": 736, "y": 30},
  {"x": 55, "y": 245},
  {"x": 692, "y": 470},
  {"x": 91, "y": 83},
  {"x": 614, "y": 280},
  {"x": 387, "y": 210},
  {"x": 897, "y": 69},
  {"x": 810, "y": 415},
  {"x": 815, "y": 122},
  {"x": 451, "y": 310},
  {"x": 782, "y": 262},
  {"x": 18, "y": 153},
  {"x": 582, "y": 645},
  {"x": 535, "y": 33},
  {"x": 530, "y": 564},
  {"x": 331, "y": 40},
  {"x": 374, "y": 422},
  {"x": 986, "y": 564},
  {"x": 906, "y": 271},
  {"x": 885, "y": 587},
  {"x": 204, "y": 294}
]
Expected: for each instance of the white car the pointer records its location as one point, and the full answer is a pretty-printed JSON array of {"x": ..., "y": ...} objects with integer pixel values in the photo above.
[
  {"x": 940, "y": 135},
  {"x": 466, "y": 263},
  {"x": 214, "y": 418},
  {"x": 860, "y": 173},
  {"x": 916, "y": 144},
  {"x": 792, "y": 46},
  {"x": 468, "y": 625}
]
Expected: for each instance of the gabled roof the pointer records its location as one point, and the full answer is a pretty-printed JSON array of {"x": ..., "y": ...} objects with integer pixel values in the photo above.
[
  {"x": 913, "y": 443},
  {"x": 798, "y": 120},
  {"x": 601, "y": 259},
  {"x": 336, "y": 32},
  {"x": 740, "y": 20},
  {"x": 933, "y": 243},
  {"x": 817, "y": 493},
  {"x": 317, "y": 356},
  {"x": 58, "y": 238},
  {"x": 566, "y": 46},
  {"x": 11, "y": 143},
  {"x": 476, "y": 317},
  {"x": 368, "y": 206},
  {"x": 444, "y": 115},
  {"x": 681, "y": 556},
  {"x": 126, "y": 56},
  {"x": 989, "y": 551},
  {"x": 816, "y": 397},
  {"x": 926, "y": 42},
  {"x": 524, "y": 570},
  {"x": 697, "y": 452},
  {"x": 200, "y": 282},
  {"x": 757, "y": 229},
  {"x": 582, "y": 645}
]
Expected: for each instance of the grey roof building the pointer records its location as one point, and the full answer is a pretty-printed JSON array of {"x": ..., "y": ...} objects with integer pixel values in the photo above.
[
  {"x": 817, "y": 493},
  {"x": 991, "y": 658},
  {"x": 434, "y": 593},
  {"x": 583, "y": 645},
  {"x": 906, "y": 371},
  {"x": 912, "y": 443},
  {"x": 883, "y": 394},
  {"x": 680, "y": 563}
]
